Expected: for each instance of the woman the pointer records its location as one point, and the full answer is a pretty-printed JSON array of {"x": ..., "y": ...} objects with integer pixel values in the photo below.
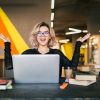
[{"x": 42, "y": 39}]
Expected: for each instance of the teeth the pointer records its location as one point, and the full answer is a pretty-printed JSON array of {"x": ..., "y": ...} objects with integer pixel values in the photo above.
[{"x": 42, "y": 39}]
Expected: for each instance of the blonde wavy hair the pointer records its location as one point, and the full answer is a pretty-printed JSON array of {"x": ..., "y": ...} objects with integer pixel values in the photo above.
[{"x": 33, "y": 36}]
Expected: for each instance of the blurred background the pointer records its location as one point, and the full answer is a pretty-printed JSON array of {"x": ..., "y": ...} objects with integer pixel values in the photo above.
[{"x": 70, "y": 19}]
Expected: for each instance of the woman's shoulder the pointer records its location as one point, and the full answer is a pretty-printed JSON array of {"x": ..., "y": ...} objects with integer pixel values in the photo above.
[
  {"x": 56, "y": 51},
  {"x": 29, "y": 51}
]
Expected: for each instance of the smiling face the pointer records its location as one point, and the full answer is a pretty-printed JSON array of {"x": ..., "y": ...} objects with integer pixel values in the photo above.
[{"x": 43, "y": 36}]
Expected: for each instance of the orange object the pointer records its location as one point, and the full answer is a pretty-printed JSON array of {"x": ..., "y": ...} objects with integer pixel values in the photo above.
[
  {"x": 63, "y": 86},
  {"x": 6, "y": 34}
]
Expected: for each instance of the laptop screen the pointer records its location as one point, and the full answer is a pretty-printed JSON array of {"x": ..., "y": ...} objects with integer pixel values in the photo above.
[{"x": 36, "y": 68}]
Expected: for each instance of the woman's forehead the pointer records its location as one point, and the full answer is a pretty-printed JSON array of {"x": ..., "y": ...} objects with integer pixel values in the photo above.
[{"x": 43, "y": 28}]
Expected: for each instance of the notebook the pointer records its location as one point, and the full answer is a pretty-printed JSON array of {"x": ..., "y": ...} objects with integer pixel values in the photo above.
[
  {"x": 84, "y": 76},
  {"x": 36, "y": 68},
  {"x": 81, "y": 82}
]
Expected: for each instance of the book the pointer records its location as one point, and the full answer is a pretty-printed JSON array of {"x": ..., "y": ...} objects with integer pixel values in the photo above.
[
  {"x": 82, "y": 83},
  {"x": 84, "y": 68},
  {"x": 97, "y": 69},
  {"x": 84, "y": 76},
  {"x": 5, "y": 84},
  {"x": 95, "y": 72},
  {"x": 96, "y": 66}
]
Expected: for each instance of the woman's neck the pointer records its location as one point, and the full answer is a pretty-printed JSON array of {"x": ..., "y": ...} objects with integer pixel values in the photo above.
[{"x": 43, "y": 49}]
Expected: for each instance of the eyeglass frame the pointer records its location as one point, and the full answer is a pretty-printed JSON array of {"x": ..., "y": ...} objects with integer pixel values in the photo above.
[{"x": 46, "y": 33}]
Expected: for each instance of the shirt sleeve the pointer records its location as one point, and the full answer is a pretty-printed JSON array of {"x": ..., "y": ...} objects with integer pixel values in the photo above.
[
  {"x": 75, "y": 59},
  {"x": 76, "y": 54},
  {"x": 7, "y": 56}
]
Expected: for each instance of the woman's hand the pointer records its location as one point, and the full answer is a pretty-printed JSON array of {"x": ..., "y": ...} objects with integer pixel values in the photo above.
[
  {"x": 2, "y": 37},
  {"x": 82, "y": 39}
]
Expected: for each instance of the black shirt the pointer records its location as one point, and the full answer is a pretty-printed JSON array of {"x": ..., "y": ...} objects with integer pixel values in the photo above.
[{"x": 64, "y": 61}]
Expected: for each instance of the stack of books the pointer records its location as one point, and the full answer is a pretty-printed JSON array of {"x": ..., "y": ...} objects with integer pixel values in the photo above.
[
  {"x": 5, "y": 84},
  {"x": 83, "y": 78},
  {"x": 94, "y": 69},
  {"x": 85, "y": 68},
  {"x": 80, "y": 82},
  {"x": 97, "y": 68}
]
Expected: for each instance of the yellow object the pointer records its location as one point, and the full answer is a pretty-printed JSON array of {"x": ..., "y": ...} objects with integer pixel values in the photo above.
[
  {"x": 67, "y": 50},
  {"x": 14, "y": 34}
]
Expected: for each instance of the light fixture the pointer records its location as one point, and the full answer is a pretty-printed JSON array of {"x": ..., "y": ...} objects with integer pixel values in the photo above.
[
  {"x": 52, "y": 24},
  {"x": 74, "y": 31},
  {"x": 67, "y": 33},
  {"x": 52, "y": 16},
  {"x": 85, "y": 31},
  {"x": 64, "y": 41},
  {"x": 52, "y": 4}
]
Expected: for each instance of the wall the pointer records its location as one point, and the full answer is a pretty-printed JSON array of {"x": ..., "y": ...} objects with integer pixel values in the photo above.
[
  {"x": 93, "y": 22},
  {"x": 23, "y": 17}
]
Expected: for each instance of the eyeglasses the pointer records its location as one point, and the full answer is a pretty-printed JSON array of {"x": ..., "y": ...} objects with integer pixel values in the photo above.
[{"x": 46, "y": 33}]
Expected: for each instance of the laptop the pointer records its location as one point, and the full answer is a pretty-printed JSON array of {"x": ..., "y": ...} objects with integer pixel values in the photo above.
[{"x": 36, "y": 68}]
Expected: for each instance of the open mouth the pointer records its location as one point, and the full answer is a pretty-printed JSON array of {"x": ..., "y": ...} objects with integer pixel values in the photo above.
[{"x": 43, "y": 40}]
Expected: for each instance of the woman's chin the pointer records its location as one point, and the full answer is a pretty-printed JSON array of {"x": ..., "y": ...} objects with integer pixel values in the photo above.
[{"x": 43, "y": 44}]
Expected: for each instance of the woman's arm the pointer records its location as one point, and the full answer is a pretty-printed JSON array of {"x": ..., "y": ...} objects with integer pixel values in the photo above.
[
  {"x": 7, "y": 56},
  {"x": 76, "y": 55},
  {"x": 7, "y": 52},
  {"x": 75, "y": 59},
  {"x": 74, "y": 63}
]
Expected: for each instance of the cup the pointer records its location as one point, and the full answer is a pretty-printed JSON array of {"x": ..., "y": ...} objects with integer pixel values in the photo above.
[{"x": 68, "y": 72}]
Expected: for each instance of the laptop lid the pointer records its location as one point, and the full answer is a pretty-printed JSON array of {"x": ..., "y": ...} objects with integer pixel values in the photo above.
[{"x": 36, "y": 68}]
